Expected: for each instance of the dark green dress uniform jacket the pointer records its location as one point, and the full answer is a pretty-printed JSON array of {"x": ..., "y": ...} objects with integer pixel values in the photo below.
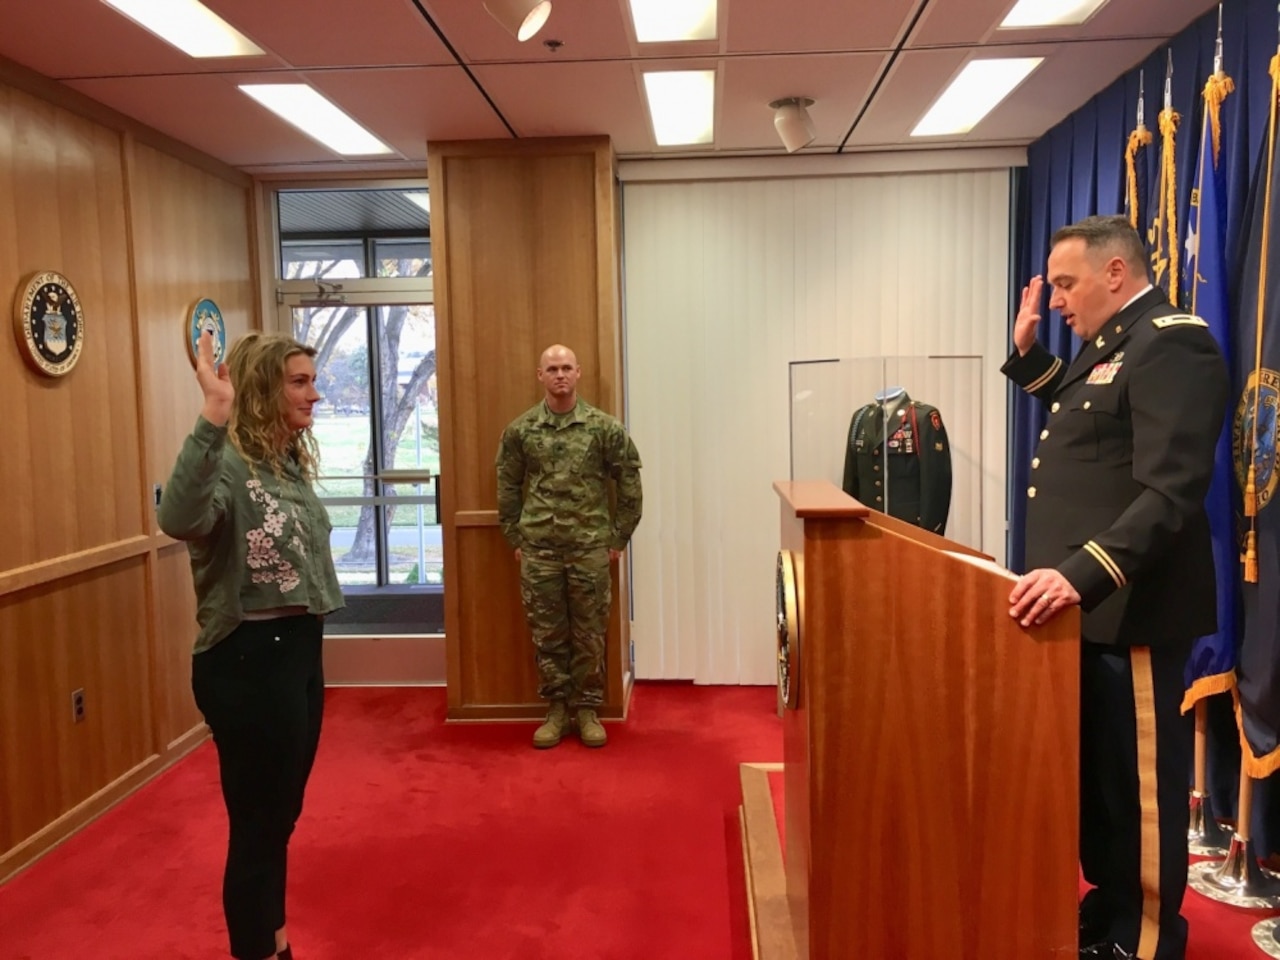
[
  {"x": 1116, "y": 500},
  {"x": 916, "y": 483}
]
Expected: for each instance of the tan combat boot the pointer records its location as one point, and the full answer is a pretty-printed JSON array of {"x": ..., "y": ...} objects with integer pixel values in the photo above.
[
  {"x": 552, "y": 729},
  {"x": 590, "y": 729}
]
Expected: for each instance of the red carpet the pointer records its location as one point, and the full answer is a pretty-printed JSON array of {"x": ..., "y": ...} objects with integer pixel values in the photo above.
[
  {"x": 426, "y": 840},
  {"x": 1217, "y": 932}
]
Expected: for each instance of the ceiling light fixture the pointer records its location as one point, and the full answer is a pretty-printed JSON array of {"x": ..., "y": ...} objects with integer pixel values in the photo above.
[
  {"x": 663, "y": 21},
  {"x": 792, "y": 121},
  {"x": 315, "y": 116},
  {"x": 682, "y": 106},
  {"x": 520, "y": 18},
  {"x": 1050, "y": 13},
  {"x": 189, "y": 25},
  {"x": 974, "y": 93}
]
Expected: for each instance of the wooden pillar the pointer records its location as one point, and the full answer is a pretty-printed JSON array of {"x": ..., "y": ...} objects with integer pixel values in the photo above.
[{"x": 525, "y": 250}]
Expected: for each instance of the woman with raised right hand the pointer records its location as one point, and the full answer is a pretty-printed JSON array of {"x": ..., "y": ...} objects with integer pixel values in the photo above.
[{"x": 241, "y": 496}]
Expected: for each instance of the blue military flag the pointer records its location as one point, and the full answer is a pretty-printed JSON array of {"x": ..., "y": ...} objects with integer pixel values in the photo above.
[
  {"x": 1211, "y": 667},
  {"x": 1257, "y": 375}
]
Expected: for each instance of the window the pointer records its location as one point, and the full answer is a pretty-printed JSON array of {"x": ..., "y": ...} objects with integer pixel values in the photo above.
[{"x": 355, "y": 268}]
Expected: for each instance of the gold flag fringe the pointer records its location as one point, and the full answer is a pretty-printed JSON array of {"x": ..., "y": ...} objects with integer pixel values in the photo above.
[
  {"x": 1139, "y": 138},
  {"x": 1169, "y": 194}
]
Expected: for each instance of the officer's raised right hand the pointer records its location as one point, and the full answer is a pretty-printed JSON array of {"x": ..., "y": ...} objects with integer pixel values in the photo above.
[
  {"x": 1028, "y": 319},
  {"x": 215, "y": 383}
]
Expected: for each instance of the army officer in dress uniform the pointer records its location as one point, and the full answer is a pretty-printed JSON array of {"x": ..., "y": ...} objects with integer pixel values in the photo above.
[{"x": 1116, "y": 524}]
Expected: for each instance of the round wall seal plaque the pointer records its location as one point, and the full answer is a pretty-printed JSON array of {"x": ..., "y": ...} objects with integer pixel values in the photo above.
[
  {"x": 49, "y": 324},
  {"x": 205, "y": 316}
]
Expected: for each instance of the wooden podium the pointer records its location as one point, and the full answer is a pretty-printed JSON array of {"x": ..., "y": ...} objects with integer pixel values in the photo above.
[{"x": 931, "y": 748}]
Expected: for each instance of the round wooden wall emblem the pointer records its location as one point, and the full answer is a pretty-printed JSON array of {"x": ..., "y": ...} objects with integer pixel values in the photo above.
[{"x": 49, "y": 324}]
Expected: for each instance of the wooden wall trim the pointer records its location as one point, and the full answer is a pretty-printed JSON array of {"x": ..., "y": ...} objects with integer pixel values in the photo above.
[
  {"x": 37, "y": 845},
  {"x": 47, "y": 571},
  {"x": 437, "y": 179},
  {"x": 530, "y": 147},
  {"x": 60, "y": 95},
  {"x": 128, "y": 167}
]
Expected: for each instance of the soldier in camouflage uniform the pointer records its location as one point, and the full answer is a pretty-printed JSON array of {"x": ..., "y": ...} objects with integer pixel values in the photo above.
[{"x": 554, "y": 464}]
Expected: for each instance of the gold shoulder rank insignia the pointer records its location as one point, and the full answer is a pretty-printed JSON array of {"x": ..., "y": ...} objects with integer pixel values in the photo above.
[{"x": 1178, "y": 319}]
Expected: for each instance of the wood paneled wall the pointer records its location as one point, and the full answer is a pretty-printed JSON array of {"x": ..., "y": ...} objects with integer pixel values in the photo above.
[
  {"x": 92, "y": 597},
  {"x": 524, "y": 236}
]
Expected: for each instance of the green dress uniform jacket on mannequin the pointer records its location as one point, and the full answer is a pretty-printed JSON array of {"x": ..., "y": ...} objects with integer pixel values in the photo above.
[{"x": 898, "y": 461}]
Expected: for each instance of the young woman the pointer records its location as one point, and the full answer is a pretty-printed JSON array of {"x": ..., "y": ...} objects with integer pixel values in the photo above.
[{"x": 241, "y": 496}]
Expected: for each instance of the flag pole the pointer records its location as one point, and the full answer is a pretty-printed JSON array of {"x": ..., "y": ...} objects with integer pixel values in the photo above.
[
  {"x": 1139, "y": 138},
  {"x": 1204, "y": 835},
  {"x": 1168, "y": 193}
]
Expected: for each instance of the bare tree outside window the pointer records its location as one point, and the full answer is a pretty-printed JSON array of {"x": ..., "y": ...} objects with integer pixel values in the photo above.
[{"x": 400, "y": 340}]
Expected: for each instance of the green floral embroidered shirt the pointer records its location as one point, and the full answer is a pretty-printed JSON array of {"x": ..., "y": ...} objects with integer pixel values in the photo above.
[{"x": 257, "y": 542}]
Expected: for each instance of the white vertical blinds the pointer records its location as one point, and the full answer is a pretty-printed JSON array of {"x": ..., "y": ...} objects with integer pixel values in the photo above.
[{"x": 726, "y": 284}]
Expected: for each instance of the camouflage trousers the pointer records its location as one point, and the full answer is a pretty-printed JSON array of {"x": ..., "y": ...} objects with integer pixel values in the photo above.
[{"x": 567, "y": 595}]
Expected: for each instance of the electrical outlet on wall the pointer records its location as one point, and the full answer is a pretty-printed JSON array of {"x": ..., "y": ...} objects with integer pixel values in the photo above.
[{"x": 77, "y": 705}]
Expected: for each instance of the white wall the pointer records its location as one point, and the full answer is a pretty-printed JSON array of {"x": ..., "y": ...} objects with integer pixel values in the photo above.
[{"x": 726, "y": 284}]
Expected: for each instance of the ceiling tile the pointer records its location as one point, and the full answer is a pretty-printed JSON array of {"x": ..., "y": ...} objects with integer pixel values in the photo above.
[
  {"x": 838, "y": 84},
  {"x": 757, "y": 26},
  {"x": 1055, "y": 89},
  {"x": 371, "y": 32},
  {"x": 572, "y": 99},
  {"x": 588, "y": 30},
  {"x": 967, "y": 22},
  {"x": 86, "y": 38},
  {"x": 210, "y": 114},
  {"x": 409, "y": 106}
]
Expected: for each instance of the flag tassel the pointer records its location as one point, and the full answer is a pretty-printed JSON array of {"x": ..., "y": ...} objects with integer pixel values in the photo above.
[
  {"x": 1139, "y": 138},
  {"x": 1168, "y": 194},
  {"x": 1251, "y": 557}
]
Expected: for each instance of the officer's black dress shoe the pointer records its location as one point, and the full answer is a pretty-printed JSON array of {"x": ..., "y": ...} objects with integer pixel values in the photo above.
[
  {"x": 1093, "y": 931},
  {"x": 1105, "y": 951},
  {"x": 1094, "y": 921}
]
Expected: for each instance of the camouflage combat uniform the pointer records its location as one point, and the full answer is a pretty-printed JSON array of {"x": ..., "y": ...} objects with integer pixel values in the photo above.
[{"x": 553, "y": 505}]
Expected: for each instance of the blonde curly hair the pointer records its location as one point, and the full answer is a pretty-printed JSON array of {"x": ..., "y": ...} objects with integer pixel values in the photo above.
[{"x": 258, "y": 428}]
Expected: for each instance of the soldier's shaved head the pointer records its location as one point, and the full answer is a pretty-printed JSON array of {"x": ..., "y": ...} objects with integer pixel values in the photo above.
[
  {"x": 557, "y": 353},
  {"x": 558, "y": 372}
]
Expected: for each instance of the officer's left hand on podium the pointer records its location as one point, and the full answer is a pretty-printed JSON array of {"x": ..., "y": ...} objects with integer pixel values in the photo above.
[
  {"x": 1040, "y": 595},
  {"x": 614, "y": 555}
]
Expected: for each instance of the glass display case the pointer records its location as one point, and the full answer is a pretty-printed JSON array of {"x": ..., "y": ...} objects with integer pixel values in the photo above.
[{"x": 900, "y": 434}]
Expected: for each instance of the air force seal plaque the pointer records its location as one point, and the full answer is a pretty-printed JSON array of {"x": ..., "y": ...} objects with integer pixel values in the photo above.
[
  {"x": 1255, "y": 433},
  {"x": 205, "y": 315},
  {"x": 49, "y": 324},
  {"x": 788, "y": 630}
]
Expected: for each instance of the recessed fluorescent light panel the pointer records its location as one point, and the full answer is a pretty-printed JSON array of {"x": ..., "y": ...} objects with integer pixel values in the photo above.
[
  {"x": 316, "y": 117},
  {"x": 190, "y": 26},
  {"x": 981, "y": 85},
  {"x": 1050, "y": 13},
  {"x": 682, "y": 104},
  {"x": 662, "y": 21}
]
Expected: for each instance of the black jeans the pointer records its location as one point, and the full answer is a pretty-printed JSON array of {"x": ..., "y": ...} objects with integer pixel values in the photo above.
[{"x": 261, "y": 690}]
